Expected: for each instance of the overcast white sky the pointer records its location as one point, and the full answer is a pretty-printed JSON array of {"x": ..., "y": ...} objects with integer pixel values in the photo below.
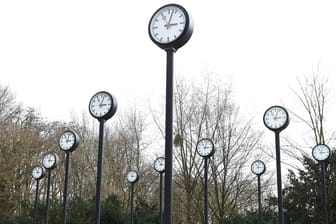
[{"x": 56, "y": 54}]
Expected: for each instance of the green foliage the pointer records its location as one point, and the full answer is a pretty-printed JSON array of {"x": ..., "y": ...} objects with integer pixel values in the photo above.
[
  {"x": 146, "y": 213},
  {"x": 112, "y": 212},
  {"x": 268, "y": 217},
  {"x": 83, "y": 211},
  {"x": 303, "y": 197}
]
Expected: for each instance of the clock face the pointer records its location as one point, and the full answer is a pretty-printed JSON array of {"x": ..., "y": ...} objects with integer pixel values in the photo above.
[
  {"x": 276, "y": 118},
  {"x": 68, "y": 141},
  {"x": 321, "y": 152},
  {"x": 102, "y": 105},
  {"x": 132, "y": 176},
  {"x": 170, "y": 26},
  {"x": 38, "y": 172},
  {"x": 159, "y": 164},
  {"x": 49, "y": 161},
  {"x": 205, "y": 147},
  {"x": 258, "y": 167}
]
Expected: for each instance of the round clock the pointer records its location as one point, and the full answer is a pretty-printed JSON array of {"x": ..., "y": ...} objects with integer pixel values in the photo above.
[
  {"x": 205, "y": 147},
  {"x": 258, "y": 167},
  {"x": 132, "y": 176},
  {"x": 321, "y": 152},
  {"x": 50, "y": 160},
  {"x": 276, "y": 118},
  {"x": 159, "y": 164},
  {"x": 170, "y": 26},
  {"x": 103, "y": 105},
  {"x": 68, "y": 141},
  {"x": 38, "y": 172}
]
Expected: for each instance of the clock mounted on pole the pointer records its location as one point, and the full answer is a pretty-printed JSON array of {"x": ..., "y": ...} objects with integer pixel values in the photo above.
[{"x": 170, "y": 27}]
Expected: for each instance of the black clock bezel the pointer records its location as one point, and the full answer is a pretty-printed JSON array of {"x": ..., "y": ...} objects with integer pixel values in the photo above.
[
  {"x": 137, "y": 177},
  {"x": 42, "y": 174},
  {"x": 212, "y": 151},
  {"x": 157, "y": 159},
  {"x": 185, "y": 35},
  {"x": 285, "y": 125},
  {"x": 324, "y": 145},
  {"x": 258, "y": 161},
  {"x": 112, "y": 110},
  {"x": 74, "y": 146}
]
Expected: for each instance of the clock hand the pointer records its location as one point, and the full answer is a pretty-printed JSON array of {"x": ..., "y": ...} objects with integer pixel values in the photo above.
[
  {"x": 170, "y": 18},
  {"x": 102, "y": 100},
  {"x": 164, "y": 18}
]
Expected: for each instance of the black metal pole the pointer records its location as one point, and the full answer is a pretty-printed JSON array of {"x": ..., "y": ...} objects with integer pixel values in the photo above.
[
  {"x": 161, "y": 214},
  {"x": 48, "y": 195},
  {"x": 206, "y": 215},
  {"x": 65, "y": 192},
  {"x": 279, "y": 182},
  {"x": 324, "y": 194},
  {"x": 99, "y": 169},
  {"x": 169, "y": 137},
  {"x": 36, "y": 200},
  {"x": 259, "y": 200},
  {"x": 132, "y": 192}
]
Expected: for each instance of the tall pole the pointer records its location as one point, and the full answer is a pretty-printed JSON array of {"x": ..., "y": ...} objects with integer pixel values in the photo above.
[
  {"x": 48, "y": 195},
  {"x": 161, "y": 214},
  {"x": 324, "y": 194},
  {"x": 65, "y": 192},
  {"x": 206, "y": 213},
  {"x": 259, "y": 200},
  {"x": 169, "y": 137},
  {"x": 36, "y": 201},
  {"x": 99, "y": 169},
  {"x": 279, "y": 182},
  {"x": 132, "y": 192}
]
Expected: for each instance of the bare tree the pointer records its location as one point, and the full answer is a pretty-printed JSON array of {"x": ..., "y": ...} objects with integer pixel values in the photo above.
[
  {"x": 313, "y": 96},
  {"x": 207, "y": 109}
]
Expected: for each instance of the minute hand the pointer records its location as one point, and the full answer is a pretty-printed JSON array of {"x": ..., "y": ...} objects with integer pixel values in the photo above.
[{"x": 169, "y": 21}]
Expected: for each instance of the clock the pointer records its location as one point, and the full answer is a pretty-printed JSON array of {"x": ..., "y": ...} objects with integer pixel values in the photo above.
[
  {"x": 38, "y": 172},
  {"x": 321, "y": 152},
  {"x": 205, "y": 147},
  {"x": 132, "y": 176},
  {"x": 103, "y": 105},
  {"x": 50, "y": 160},
  {"x": 276, "y": 118},
  {"x": 170, "y": 26},
  {"x": 68, "y": 141},
  {"x": 258, "y": 167},
  {"x": 159, "y": 164}
]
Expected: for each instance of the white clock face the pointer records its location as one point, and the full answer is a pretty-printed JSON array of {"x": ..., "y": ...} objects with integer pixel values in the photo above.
[
  {"x": 167, "y": 24},
  {"x": 258, "y": 167},
  {"x": 321, "y": 152},
  {"x": 37, "y": 172},
  {"x": 276, "y": 118},
  {"x": 49, "y": 161},
  {"x": 159, "y": 164},
  {"x": 67, "y": 140},
  {"x": 100, "y": 104},
  {"x": 132, "y": 176},
  {"x": 205, "y": 147}
]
